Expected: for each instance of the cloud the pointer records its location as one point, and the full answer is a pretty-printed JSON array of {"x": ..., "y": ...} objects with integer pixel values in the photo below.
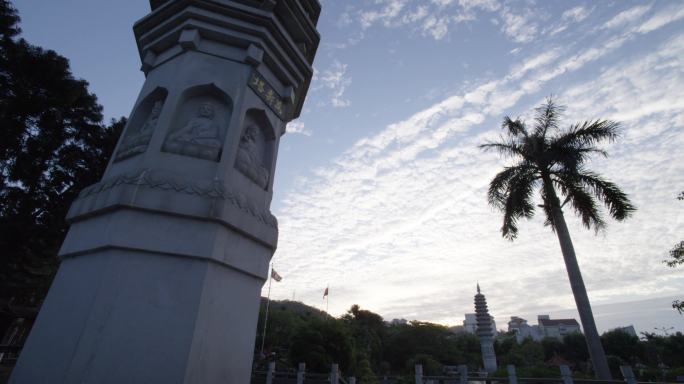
[
  {"x": 399, "y": 223},
  {"x": 662, "y": 18},
  {"x": 575, "y": 14},
  {"x": 335, "y": 80},
  {"x": 626, "y": 17},
  {"x": 519, "y": 27},
  {"x": 297, "y": 127},
  {"x": 431, "y": 19},
  {"x": 390, "y": 11},
  {"x": 436, "y": 27},
  {"x": 572, "y": 15}
]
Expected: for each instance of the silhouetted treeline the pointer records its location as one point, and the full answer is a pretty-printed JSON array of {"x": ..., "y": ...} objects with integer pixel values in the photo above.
[
  {"x": 53, "y": 143},
  {"x": 366, "y": 346}
]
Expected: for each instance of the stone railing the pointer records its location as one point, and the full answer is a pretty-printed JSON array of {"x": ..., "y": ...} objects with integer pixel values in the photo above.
[{"x": 461, "y": 376}]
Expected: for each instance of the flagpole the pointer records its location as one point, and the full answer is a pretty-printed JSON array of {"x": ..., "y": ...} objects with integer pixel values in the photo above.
[{"x": 268, "y": 304}]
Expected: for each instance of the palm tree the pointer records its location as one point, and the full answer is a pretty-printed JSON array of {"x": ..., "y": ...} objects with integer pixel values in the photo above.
[{"x": 553, "y": 161}]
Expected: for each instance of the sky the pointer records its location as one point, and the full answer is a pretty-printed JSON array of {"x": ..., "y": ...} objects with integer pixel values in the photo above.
[{"x": 380, "y": 188}]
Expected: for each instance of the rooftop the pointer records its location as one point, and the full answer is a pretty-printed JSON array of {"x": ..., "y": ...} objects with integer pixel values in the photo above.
[{"x": 549, "y": 322}]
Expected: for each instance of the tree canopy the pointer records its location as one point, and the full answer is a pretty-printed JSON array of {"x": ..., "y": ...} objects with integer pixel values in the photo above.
[
  {"x": 549, "y": 158},
  {"x": 54, "y": 143},
  {"x": 553, "y": 161},
  {"x": 298, "y": 333},
  {"x": 676, "y": 259}
]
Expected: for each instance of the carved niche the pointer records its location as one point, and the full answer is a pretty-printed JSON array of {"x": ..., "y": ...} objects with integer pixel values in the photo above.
[
  {"x": 255, "y": 151},
  {"x": 200, "y": 123},
  {"x": 142, "y": 125}
]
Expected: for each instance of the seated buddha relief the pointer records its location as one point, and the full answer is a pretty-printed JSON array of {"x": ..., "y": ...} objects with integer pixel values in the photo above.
[
  {"x": 136, "y": 139},
  {"x": 200, "y": 136}
]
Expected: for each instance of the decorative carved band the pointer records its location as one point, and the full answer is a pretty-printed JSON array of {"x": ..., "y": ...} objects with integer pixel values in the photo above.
[{"x": 165, "y": 181}]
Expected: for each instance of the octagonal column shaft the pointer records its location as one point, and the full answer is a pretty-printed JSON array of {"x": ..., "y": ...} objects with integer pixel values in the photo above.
[{"x": 166, "y": 256}]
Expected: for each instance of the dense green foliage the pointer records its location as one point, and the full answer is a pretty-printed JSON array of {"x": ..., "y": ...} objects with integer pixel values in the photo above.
[
  {"x": 676, "y": 259},
  {"x": 366, "y": 346},
  {"x": 53, "y": 144}
]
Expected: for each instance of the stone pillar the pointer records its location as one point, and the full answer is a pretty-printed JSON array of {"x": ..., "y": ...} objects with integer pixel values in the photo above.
[
  {"x": 270, "y": 373},
  {"x": 512, "y": 375},
  {"x": 419, "y": 373},
  {"x": 462, "y": 374},
  {"x": 334, "y": 374},
  {"x": 301, "y": 372},
  {"x": 166, "y": 256},
  {"x": 628, "y": 374},
  {"x": 566, "y": 374}
]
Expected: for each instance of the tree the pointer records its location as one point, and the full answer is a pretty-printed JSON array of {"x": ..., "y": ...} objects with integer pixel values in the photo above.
[
  {"x": 53, "y": 144},
  {"x": 575, "y": 345},
  {"x": 321, "y": 342},
  {"x": 368, "y": 330},
  {"x": 552, "y": 347},
  {"x": 677, "y": 258},
  {"x": 621, "y": 344},
  {"x": 553, "y": 160}
]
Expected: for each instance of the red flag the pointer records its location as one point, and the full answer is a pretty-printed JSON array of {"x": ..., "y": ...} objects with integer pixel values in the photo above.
[
  {"x": 325, "y": 293},
  {"x": 275, "y": 276}
]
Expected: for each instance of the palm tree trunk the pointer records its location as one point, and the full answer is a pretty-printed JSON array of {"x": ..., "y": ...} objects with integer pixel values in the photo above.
[{"x": 598, "y": 356}]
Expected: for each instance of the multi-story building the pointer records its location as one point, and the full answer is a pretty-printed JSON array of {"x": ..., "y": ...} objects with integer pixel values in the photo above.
[
  {"x": 546, "y": 327},
  {"x": 628, "y": 330},
  {"x": 557, "y": 328}
]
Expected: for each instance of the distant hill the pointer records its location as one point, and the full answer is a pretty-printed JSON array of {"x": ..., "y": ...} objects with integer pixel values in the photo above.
[{"x": 294, "y": 306}]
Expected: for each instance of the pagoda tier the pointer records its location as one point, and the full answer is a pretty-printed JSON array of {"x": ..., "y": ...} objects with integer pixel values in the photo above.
[{"x": 485, "y": 332}]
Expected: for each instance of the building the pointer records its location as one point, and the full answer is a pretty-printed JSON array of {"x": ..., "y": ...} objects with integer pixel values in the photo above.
[
  {"x": 398, "y": 322},
  {"x": 470, "y": 324},
  {"x": 628, "y": 330},
  {"x": 557, "y": 328},
  {"x": 523, "y": 330},
  {"x": 546, "y": 327}
]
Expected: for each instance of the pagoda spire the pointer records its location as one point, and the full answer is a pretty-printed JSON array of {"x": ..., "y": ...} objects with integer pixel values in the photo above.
[{"x": 485, "y": 331}]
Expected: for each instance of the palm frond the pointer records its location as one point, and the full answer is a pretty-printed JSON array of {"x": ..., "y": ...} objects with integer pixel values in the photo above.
[
  {"x": 587, "y": 134},
  {"x": 547, "y": 117},
  {"x": 514, "y": 128},
  {"x": 582, "y": 202},
  {"x": 617, "y": 202},
  {"x": 506, "y": 148},
  {"x": 501, "y": 184},
  {"x": 560, "y": 158},
  {"x": 511, "y": 192},
  {"x": 572, "y": 158}
]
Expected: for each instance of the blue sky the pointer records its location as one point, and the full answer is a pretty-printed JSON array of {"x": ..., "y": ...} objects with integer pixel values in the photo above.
[{"x": 380, "y": 187}]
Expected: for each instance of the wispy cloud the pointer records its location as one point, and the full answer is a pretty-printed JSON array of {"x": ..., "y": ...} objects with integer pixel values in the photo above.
[
  {"x": 663, "y": 18},
  {"x": 627, "y": 16},
  {"x": 395, "y": 220},
  {"x": 575, "y": 14},
  {"x": 336, "y": 80},
  {"x": 569, "y": 17},
  {"x": 387, "y": 15},
  {"x": 519, "y": 27},
  {"x": 297, "y": 127}
]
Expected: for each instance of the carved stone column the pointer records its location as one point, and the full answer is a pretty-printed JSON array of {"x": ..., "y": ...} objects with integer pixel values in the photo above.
[
  {"x": 485, "y": 332},
  {"x": 163, "y": 266}
]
